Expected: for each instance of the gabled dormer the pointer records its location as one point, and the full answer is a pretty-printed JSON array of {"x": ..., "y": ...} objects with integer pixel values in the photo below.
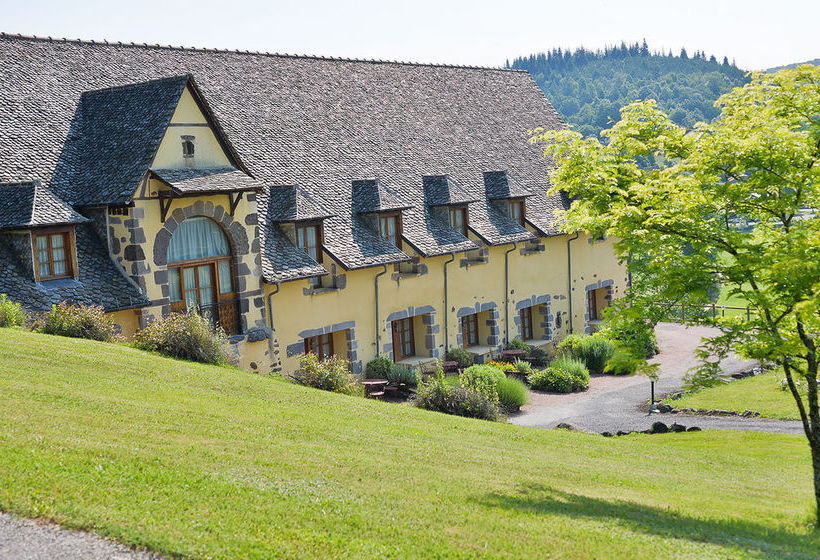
[
  {"x": 448, "y": 201},
  {"x": 507, "y": 195},
  {"x": 379, "y": 205}
]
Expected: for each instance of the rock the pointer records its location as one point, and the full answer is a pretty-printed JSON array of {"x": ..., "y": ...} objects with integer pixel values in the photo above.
[
  {"x": 623, "y": 433},
  {"x": 692, "y": 429},
  {"x": 646, "y": 431},
  {"x": 663, "y": 407},
  {"x": 566, "y": 426},
  {"x": 674, "y": 411},
  {"x": 606, "y": 434},
  {"x": 677, "y": 428},
  {"x": 659, "y": 428},
  {"x": 747, "y": 414}
]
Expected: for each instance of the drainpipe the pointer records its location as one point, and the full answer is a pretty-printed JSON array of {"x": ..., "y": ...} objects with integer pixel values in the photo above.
[
  {"x": 270, "y": 304},
  {"x": 447, "y": 306},
  {"x": 569, "y": 276},
  {"x": 378, "y": 330},
  {"x": 507, "y": 292}
]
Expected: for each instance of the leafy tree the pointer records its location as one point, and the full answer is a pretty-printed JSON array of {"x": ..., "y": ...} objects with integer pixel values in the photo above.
[{"x": 757, "y": 163}]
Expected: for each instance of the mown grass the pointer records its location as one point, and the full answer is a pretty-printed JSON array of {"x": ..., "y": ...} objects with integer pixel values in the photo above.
[
  {"x": 760, "y": 394},
  {"x": 211, "y": 462}
]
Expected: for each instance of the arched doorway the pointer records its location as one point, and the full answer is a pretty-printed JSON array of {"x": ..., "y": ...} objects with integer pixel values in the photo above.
[{"x": 200, "y": 272}]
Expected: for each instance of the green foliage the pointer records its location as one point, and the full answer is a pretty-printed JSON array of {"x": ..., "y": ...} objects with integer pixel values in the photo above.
[
  {"x": 588, "y": 88},
  {"x": 631, "y": 331},
  {"x": 78, "y": 321},
  {"x": 378, "y": 368},
  {"x": 460, "y": 355},
  {"x": 11, "y": 314},
  {"x": 551, "y": 379},
  {"x": 539, "y": 357},
  {"x": 478, "y": 401},
  {"x": 399, "y": 374},
  {"x": 512, "y": 394},
  {"x": 622, "y": 362},
  {"x": 594, "y": 351},
  {"x": 676, "y": 223},
  {"x": 518, "y": 344},
  {"x": 187, "y": 336},
  {"x": 522, "y": 368},
  {"x": 482, "y": 376},
  {"x": 331, "y": 374},
  {"x": 576, "y": 368}
]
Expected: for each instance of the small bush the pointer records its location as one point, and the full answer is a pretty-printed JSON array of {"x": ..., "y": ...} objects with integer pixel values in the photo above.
[
  {"x": 442, "y": 396},
  {"x": 78, "y": 321},
  {"x": 518, "y": 344},
  {"x": 482, "y": 377},
  {"x": 539, "y": 357},
  {"x": 187, "y": 336},
  {"x": 622, "y": 362},
  {"x": 522, "y": 368},
  {"x": 378, "y": 368},
  {"x": 402, "y": 375},
  {"x": 633, "y": 333},
  {"x": 551, "y": 379},
  {"x": 569, "y": 343},
  {"x": 460, "y": 355},
  {"x": 595, "y": 351},
  {"x": 331, "y": 374},
  {"x": 506, "y": 367},
  {"x": 512, "y": 394},
  {"x": 576, "y": 368},
  {"x": 11, "y": 314}
]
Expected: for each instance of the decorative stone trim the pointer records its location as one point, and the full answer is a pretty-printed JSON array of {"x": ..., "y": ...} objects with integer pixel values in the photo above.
[
  {"x": 351, "y": 343},
  {"x": 431, "y": 328},
  {"x": 543, "y": 307},
  {"x": 610, "y": 284}
]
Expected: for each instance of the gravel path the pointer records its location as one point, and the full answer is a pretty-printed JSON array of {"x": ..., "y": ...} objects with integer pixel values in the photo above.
[
  {"x": 24, "y": 539},
  {"x": 614, "y": 403}
]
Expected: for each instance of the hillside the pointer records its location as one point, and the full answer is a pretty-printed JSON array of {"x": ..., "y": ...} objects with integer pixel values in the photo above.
[
  {"x": 814, "y": 62},
  {"x": 201, "y": 461},
  {"x": 588, "y": 88}
]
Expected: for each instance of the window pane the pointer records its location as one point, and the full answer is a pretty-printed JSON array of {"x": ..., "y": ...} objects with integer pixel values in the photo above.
[
  {"x": 59, "y": 265},
  {"x": 173, "y": 284},
  {"x": 225, "y": 281},
  {"x": 57, "y": 240},
  {"x": 44, "y": 270},
  {"x": 197, "y": 238},
  {"x": 189, "y": 275},
  {"x": 42, "y": 243},
  {"x": 206, "y": 293}
]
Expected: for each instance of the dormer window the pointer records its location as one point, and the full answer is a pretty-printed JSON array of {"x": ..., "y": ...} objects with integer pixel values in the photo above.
[
  {"x": 187, "y": 146},
  {"x": 516, "y": 210},
  {"x": 458, "y": 219},
  {"x": 309, "y": 239},
  {"x": 54, "y": 255},
  {"x": 390, "y": 227}
]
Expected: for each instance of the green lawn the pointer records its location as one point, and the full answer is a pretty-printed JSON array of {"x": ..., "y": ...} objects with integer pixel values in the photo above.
[
  {"x": 760, "y": 394},
  {"x": 209, "y": 462}
]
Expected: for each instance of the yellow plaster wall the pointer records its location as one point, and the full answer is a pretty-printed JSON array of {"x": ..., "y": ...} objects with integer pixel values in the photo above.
[
  {"x": 128, "y": 321},
  {"x": 207, "y": 153}
]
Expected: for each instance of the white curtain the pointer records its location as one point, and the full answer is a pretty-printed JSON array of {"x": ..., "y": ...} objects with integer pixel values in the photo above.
[{"x": 197, "y": 238}]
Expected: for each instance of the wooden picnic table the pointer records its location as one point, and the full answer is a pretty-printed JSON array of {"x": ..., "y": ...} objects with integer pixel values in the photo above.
[
  {"x": 374, "y": 387},
  {"x": 449, "y": 366},
  {"x": 512, "y": 355}
]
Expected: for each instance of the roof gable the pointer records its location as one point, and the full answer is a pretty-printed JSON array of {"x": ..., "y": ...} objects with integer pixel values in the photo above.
[{"x": 29, "y": 204}]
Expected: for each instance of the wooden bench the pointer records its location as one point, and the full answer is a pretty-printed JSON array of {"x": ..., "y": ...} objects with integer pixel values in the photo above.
[{"x": 449, "y": 367}]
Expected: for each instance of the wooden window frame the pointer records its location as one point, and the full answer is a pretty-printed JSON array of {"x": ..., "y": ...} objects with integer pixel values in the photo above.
[
  {"x": 217, "y": 285},
  {"x": 397, "y": 217},
  {"x": 527, "y": 330},
  {"x": 522, "y": 210},
  {"x": 317, "y": 226},
  {"x": 592, "y": 305},
  {"x": 68, "y": 246},
  {"x": 316, "y": 345},
  {"x": 465, "y": 216},
  {"x": 398, "y": 327},
  {"x": 469, "y": 330}
]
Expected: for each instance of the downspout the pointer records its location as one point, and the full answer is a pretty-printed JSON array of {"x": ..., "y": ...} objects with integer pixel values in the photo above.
[
  {"x": 447, "y": 306},
  {"x": 507, "y": 292},
  {"x": 569, "y": 276},
  {"x": 270, "y": 304},
  {"x": 378, "y": 330}
]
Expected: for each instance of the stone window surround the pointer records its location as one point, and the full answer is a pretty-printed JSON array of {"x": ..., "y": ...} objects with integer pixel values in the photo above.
[
  {"x": 542, "y": 319},
  {"x": 610, "y": 284},
  {"x": 428, "y": 318},
  {"x": 349, "y": 328}
]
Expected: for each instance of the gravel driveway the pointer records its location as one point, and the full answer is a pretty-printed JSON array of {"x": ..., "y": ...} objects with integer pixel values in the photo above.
[
  {"x": 24, "y": 539},
  {"x": 614, "y": 403}
]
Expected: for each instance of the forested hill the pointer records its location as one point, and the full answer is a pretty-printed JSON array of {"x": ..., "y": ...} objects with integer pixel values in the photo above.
[{"x": 589, "y": 87}]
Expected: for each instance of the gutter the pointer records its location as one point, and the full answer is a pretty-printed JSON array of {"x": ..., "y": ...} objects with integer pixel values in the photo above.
[
  {"x": 507, "y": 292},
  {"x": 270, "y": 304},
  {"x": 376, "y": 288},
  {"x": 447, "y": 306},
  {"x": 569, "y": 276}
]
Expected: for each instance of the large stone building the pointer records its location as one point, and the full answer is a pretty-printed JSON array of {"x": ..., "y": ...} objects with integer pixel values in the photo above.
[{"x": 358, "y": 208}]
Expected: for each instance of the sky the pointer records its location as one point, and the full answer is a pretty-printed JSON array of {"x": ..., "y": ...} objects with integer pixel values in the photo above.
[{"x": 756, "y": 34}]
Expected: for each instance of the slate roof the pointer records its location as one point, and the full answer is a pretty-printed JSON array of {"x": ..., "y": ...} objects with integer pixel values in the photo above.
[
  {"x": 189, "y": 180},
  {"x": 499, "y": 185},
  {"x": 314, "y": 122},
  {"x": 442, "y": 190},
  {"x": 370, "y": 195},
  {"x": 292, "y": 203},
  {"x": 29, "y": 204},
  {"x": 99, "y": 280}
]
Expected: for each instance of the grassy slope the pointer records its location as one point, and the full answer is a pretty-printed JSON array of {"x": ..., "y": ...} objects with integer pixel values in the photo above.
[
  {"x": 213, "y": 462},
  {"x": 760, "y": 394}
]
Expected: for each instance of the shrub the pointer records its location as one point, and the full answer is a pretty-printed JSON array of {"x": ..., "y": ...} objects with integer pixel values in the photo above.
[
  {"x": 441, "y": 396},
  {"x": 11, "y": 314},
  {"x": 512, "y": 394},
  {"x": 401, "y": 374},
  {"x": 633, "y": 333},
  {"x": 78, "y": 321},
  {"x": 551, "y": 379},
  {"x": 576, "y": 368},
  {"x": 482, "y": 377},
  {"x": 331, "y": 374},
  {"x": 540, "y": 358},
  {"x": 522, "y": 368},
  {"x": 595, "y": 351},
  {"x": 568, "y": 344},
  {"x": 187, "y": 336},
  {"x": 518, "y": 344},
  {"x": 622, "y": 362},
  {"x": 378, "y": 368},
  {"x": 460, "y": 355}
]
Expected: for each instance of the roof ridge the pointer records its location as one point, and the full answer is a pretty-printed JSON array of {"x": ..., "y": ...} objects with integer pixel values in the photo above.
[
  {"x": 259, "y": 53},
  {"x": 137, "y": 84}
]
